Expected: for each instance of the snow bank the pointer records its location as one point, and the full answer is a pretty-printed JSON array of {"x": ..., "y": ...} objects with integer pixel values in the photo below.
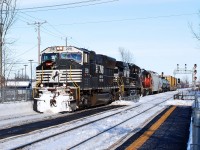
[
  {"x": 180, "y": 102},
  {"x": 7, "y": 109}
]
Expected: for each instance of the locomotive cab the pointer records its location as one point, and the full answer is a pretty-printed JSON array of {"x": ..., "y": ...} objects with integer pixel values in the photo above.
[
  {"x": 135, "y": 78},
  {"x": 146, "y": 82}
]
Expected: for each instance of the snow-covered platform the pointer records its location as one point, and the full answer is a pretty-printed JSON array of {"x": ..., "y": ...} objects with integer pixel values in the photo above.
[{"x": 172, "y": 134}]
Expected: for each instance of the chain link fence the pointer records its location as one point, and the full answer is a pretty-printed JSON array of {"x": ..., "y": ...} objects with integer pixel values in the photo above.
[{"x": 12, "y": 95}]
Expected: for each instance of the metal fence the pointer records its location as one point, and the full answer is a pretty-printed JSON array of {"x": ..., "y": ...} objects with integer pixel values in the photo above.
[
  {"x": 11, "y": 95},
  {"x": 196, "y": 124}
]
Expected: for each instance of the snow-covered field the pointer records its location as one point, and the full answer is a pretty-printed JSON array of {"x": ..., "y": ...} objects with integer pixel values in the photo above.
[{"x": 96, "y": 135}]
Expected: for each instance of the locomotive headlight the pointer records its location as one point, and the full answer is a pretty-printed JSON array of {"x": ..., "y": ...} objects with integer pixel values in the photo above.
[
  {"x": 64, "y": 85},
  {"x": 59, "y": 48},
  {"x": 41, "y": 85}
]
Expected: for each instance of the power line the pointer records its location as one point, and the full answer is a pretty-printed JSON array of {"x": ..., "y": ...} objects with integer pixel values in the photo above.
[
  {"x": 129, "y": 19},
  {"x": 121, "y": 20},
  {"x": 84, "y": 5},
  {"x": 16, "y": 58},
  {"x": 61, "y": 35},
  {"x": 26, "y": 51},
  {"x": 60, "y": 5},
  {"x": 56, "y": 29}
]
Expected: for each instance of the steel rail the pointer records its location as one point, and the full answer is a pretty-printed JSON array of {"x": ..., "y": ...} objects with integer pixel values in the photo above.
[{"x": 85, "y": 124}]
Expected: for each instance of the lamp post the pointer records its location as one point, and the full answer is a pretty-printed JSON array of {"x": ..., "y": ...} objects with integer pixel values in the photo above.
[
  {"x": 18, "y": 74},
  {"x": 31, "y": 70},
  {"x": 22, "y": 73},
  {"x": 25, "y": 71}
]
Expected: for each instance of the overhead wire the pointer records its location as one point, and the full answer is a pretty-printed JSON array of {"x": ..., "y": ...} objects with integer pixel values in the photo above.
[
  {"x": 61, "y": 35},
  {"x": 78, "y": 6},
  {"x": 91, "y": 2},
  {"x": 129, "y": 19},
  {"x": 28, "y": 17}
]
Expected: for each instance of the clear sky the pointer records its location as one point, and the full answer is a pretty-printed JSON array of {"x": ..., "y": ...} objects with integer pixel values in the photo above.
[{"x": 156, "y": 32}]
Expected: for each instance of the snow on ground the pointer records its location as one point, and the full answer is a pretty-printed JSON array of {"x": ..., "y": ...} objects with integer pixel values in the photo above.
[
  {"x": 180, "y": 102},
  {"x": 16, "y": 108},
  {"x": 18, "y": 113},
  {"x": 105, "y": 140}
]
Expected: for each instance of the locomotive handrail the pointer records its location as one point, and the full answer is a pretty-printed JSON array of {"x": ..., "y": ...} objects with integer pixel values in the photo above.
[{"x": 75, "y": 84}]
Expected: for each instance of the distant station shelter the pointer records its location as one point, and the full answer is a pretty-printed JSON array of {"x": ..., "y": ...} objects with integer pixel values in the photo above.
[{"x": 19, "y": 84}]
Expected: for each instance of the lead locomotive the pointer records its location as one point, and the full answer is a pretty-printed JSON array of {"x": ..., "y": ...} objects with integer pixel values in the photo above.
[{"x": 70, "y": 78}]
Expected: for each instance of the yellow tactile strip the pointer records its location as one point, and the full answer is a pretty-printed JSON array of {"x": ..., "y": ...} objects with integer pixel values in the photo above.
[{"x": 146, "y": 135}]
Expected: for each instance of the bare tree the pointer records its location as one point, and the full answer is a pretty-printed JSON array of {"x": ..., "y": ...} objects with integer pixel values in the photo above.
[
  {"x": 126, "y": 55},
  {"x": 185, "y": 82},
  {"x": 7, "y": 16},
  {"x": 195, "y": 33}
]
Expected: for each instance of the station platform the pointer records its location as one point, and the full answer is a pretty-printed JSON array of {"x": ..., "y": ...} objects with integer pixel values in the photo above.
[{"x": 167, "y": 131}]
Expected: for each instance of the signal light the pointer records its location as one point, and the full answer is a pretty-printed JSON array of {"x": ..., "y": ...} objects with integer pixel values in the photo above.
[
  {"x": 195, "y": 66},
  {"x": 195, "y": 72},
  {"x": 162, "y": 74},
  {"x": 179, "y": 81}
]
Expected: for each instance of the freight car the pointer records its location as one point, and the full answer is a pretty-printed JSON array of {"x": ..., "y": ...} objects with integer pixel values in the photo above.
[
  {"x": 151, "y": 82},
  {"x": 156, "y": 85},
  {"x": 146, "y": 80},
  {"x": 69, "y": 78},
  {"x": 165, "y": 84},
  {"x": 172, "y": 82}
]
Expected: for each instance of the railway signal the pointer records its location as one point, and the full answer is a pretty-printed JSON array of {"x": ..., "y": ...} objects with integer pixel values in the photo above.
[
  {"x": 179, "y": 81},
  {"x": 185, "y": 70},
  {"x": 194, "y": 74}
]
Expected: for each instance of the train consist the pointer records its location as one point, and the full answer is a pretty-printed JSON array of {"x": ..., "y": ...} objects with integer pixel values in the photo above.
[{"x": 70, "y": 78}]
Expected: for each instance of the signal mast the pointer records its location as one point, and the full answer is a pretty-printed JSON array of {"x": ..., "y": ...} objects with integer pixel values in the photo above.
[{"x": 192, "y": 71}]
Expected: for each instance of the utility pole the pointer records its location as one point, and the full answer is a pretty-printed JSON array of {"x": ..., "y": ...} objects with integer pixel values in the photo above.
[
  {"x": 66, "y": 41},
  {"x": 38, "y": 24},
  {"x": 1, "y": 52}
]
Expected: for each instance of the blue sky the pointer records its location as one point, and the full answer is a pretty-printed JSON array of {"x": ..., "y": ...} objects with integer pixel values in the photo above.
[{"x": 156, "y": 32}]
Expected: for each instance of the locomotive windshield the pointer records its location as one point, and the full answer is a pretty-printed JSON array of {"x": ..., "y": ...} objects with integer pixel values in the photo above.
[
  {"x": 75, "y": 56},
  {"x": 49, "y": 56}
]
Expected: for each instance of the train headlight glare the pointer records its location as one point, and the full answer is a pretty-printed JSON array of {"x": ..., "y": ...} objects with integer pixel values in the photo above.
[{"x": 41, "y": 85}]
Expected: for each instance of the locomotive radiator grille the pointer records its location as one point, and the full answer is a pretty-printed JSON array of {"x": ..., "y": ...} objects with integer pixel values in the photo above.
[{"x": 55, "y": 76}]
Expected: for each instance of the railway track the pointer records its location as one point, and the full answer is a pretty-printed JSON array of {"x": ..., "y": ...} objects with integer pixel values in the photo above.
[
  {"x": 77, "y": 127},
  {"x": 52, "y": 121},
  {"x": 8, "y": 122}
]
